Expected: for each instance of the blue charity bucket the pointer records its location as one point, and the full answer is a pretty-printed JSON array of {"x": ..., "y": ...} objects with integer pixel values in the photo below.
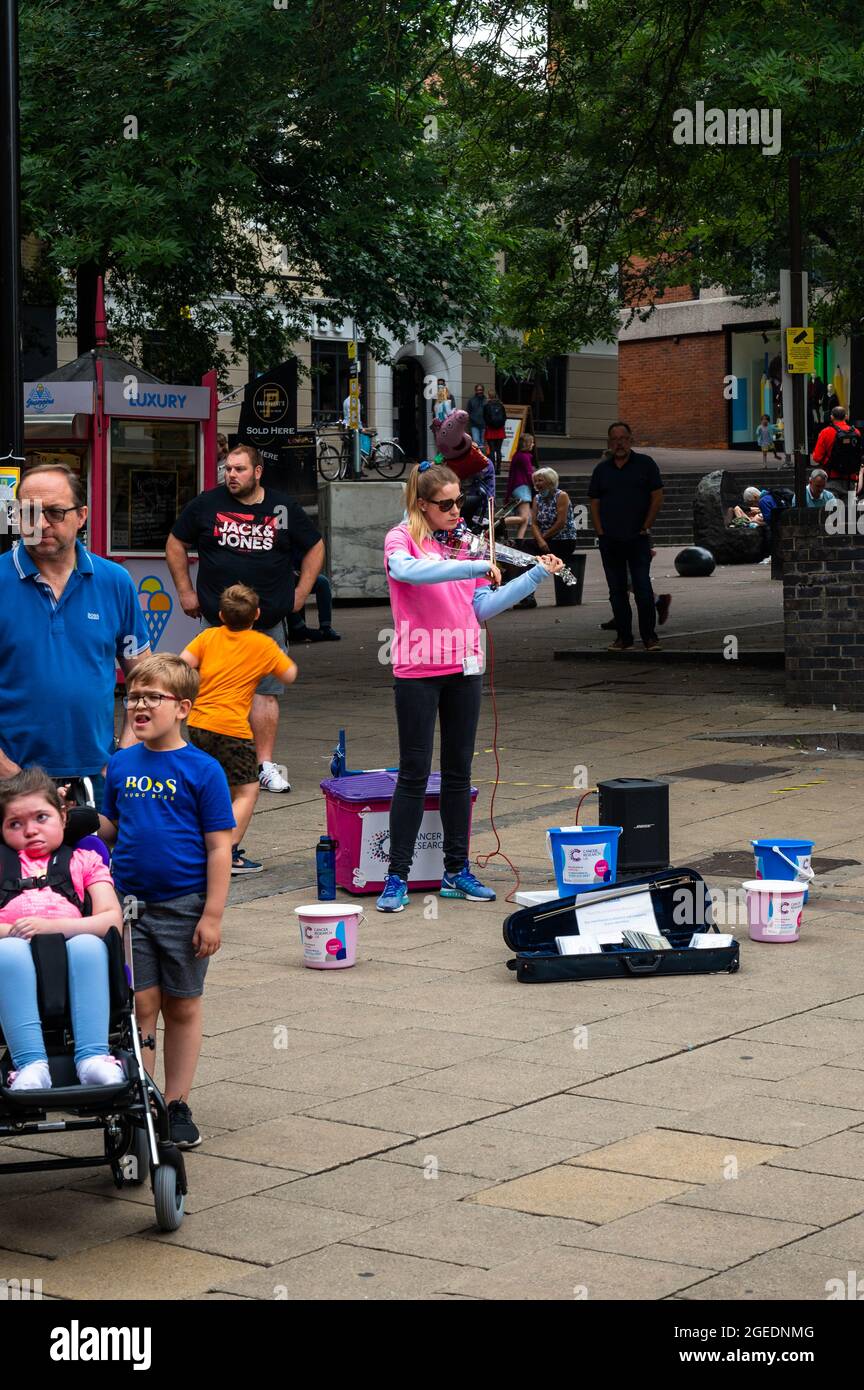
[
  {"x": 583, "y": 856},
  {"x": 786, "y": 860}
]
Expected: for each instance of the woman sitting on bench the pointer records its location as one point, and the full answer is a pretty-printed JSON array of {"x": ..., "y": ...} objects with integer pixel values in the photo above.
[{"x": 48, "y": 887}]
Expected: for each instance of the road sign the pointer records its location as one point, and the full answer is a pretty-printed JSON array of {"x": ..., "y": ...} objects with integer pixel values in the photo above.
[
  {"x": 800, "y": 350},
  {"x": 354, "y": 403}
]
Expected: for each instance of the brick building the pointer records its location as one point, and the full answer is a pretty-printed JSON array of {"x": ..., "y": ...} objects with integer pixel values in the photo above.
[{"x": 698, "y": 373}]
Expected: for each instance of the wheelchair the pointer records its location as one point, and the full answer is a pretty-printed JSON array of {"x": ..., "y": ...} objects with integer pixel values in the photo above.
[{"x": 133, "y": 1115}]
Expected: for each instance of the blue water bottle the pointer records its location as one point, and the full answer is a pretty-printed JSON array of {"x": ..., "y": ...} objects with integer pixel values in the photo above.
[{"x": 325, "y": 868}]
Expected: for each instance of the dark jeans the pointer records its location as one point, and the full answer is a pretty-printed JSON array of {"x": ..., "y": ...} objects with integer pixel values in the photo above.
[
  {"x": 618, "y": 557},
  {"x": 495, "y": 447},
  {"x": 455, "y": 700},
  {"x": 323, "y": 601}
]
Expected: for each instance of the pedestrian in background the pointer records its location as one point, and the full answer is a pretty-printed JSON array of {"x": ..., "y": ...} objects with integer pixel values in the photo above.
[
  {"x": 221, "y": 456},
  {"x": 626, "y": 493},
  {"x": 838, "y": 451},
  {"x": 244, "y": 533},
  {"x": 445, "y": 401},
  {"x": 765, "y": 439},
  {"x": 520, "y": 482},
  {"x": 495, "y": 417},
  {"x": 474, "y": 406},
  {"x": 816, "y": 493}
]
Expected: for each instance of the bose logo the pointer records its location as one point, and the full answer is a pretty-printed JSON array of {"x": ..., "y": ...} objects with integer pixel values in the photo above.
[{"x": 647, "y": 826}]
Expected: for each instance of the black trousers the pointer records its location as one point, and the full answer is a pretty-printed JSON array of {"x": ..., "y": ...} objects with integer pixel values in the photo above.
[
  {"x": 455, "y": 701},
  {"x": 619, "y": 556},
  {"x": 495, "y": 447}
]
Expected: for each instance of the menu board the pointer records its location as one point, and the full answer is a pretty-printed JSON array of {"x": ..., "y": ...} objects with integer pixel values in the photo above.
[
  {"x": 291, "y": 466},
  {"x": 153, "y": 507}
]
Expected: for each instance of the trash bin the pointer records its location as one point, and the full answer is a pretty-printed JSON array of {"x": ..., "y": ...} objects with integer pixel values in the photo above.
[{"x": 566, "y": 595}]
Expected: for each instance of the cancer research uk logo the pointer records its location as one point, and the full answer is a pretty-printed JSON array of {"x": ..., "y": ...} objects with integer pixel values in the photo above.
[
  {"x": 40, "y": 398},
  {"x": 241, "y": 531}
]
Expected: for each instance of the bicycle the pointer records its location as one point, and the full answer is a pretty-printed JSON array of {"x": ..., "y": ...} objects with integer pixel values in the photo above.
[
  {"x": 384, "y": 456},
  {"x": 387, "y": 458},
  {"x": 332, "y": 458}
]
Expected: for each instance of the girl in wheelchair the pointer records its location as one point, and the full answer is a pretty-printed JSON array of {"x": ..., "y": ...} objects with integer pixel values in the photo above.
[{"x": 48, "y": 887}]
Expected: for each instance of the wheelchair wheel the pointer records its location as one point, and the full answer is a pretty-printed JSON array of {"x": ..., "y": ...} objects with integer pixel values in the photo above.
[{"x": 168, "y": 1199}]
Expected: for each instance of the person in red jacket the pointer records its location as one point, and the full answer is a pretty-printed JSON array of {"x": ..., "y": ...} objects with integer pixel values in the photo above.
[{"x": 838, "y": 450}]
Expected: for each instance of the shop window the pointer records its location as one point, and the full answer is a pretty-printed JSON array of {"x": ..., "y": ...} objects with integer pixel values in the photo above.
[
  {"x": 545, "y": 391},
  {"x": 756, "y": 366},
  {"x": 330, "y": 377},
  {"x": 154, "y": 473}
]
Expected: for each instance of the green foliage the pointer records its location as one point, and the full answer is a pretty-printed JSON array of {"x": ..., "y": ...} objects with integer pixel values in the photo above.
[
  {"x": 565, "y": 118},
  {"x": 257, "y": 127}
]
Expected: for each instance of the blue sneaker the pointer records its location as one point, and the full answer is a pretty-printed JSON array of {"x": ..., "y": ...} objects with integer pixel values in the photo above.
[
  {"x": 395, "y": 895},
  {"x": 465, "y": 885}
]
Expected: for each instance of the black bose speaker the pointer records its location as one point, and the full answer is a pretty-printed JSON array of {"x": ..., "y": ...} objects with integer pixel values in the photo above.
[{"x": 640, "y": 806}]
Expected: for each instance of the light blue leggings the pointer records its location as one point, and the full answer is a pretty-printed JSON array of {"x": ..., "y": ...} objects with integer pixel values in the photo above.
[{"x": 88, "y": 995}]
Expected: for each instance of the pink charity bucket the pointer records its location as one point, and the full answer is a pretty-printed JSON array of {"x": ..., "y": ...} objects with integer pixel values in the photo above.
[
  {"x": 774, "y": 908},
  {"x": 328, "y": 934}
]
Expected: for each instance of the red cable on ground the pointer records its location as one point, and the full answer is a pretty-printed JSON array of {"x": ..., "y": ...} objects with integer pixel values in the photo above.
[{"x": 497, "y": 852}]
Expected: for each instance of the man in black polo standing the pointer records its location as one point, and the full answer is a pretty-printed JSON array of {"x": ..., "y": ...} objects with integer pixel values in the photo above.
[
  {"x": 626, "y": 493},
  {"x": 244, "y": 533}
]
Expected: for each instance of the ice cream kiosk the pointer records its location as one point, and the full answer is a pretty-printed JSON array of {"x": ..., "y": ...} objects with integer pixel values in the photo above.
[{"x": 143, "y": 448}]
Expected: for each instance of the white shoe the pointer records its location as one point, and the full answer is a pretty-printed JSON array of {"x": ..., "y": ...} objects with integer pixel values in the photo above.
[
  {"x": 34, "y": 1077},
  {"x": 271, "y": 779},
  {"x": 100, "y": 1071}
]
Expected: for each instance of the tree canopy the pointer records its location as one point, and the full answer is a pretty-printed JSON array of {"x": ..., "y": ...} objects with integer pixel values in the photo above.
[
  {"x": 394, "y": 148},
  {"x": 178, "y": 144},
  {"x": 564, "y": 116}
]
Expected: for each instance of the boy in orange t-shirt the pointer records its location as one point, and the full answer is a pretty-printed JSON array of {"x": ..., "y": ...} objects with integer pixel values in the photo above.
[{"x": 231, "y": 660}]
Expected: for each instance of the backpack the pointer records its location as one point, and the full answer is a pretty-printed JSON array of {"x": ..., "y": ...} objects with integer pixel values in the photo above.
[
  {"x": 783, "y": 496},
  {"x": 58, "y": 877},
  {"x": 845, "y": 458},
  {"x": 494, "y": 414}
]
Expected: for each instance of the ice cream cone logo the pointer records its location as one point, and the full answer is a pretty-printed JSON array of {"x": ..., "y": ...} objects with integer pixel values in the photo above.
[{"x": 156, "y": 605}]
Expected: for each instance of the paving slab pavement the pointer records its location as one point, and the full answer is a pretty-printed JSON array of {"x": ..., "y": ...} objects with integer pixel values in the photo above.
[{"x": 422, "y": 1126}]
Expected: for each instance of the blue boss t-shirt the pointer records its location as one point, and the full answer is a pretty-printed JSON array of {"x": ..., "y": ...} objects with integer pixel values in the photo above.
[{"x": 164, "y": 803}]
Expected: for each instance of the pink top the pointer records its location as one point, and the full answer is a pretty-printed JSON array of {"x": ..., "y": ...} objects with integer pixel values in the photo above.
[
  {"x": 85, "y": 868},
  {"x": 435, "y": 624},
  {"x": 521, "y": 472}
]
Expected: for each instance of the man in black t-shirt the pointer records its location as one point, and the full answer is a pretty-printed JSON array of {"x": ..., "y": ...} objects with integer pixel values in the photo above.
[
  {"x": 244, "y": 534},
  {"x": 626, "y": 493}
]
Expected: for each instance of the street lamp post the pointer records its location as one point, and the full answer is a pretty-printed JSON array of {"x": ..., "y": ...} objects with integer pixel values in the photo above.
[
  {"x": 11, "y": 384},
  {"x": 796, "y": 295}
]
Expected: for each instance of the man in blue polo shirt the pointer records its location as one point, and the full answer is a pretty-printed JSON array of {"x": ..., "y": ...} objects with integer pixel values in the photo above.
[
  {"x": 626, "y": 493},
  {"x": 66, "y": 618}
]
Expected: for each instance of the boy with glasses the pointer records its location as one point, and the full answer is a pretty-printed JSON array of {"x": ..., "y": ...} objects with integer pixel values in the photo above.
[{"x": 167, "y": 810}]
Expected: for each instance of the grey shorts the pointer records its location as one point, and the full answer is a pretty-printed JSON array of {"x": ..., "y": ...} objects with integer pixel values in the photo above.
[
  {"x": 162, "y": 951},
  {"x": 270, "y": 685}
]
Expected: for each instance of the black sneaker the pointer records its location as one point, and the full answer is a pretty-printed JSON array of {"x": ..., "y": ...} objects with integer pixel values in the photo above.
[
  {"x": 608, "y": 627},
  {"x": 328, "y": 635},
  {"x": 183, "y": 1132}
]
